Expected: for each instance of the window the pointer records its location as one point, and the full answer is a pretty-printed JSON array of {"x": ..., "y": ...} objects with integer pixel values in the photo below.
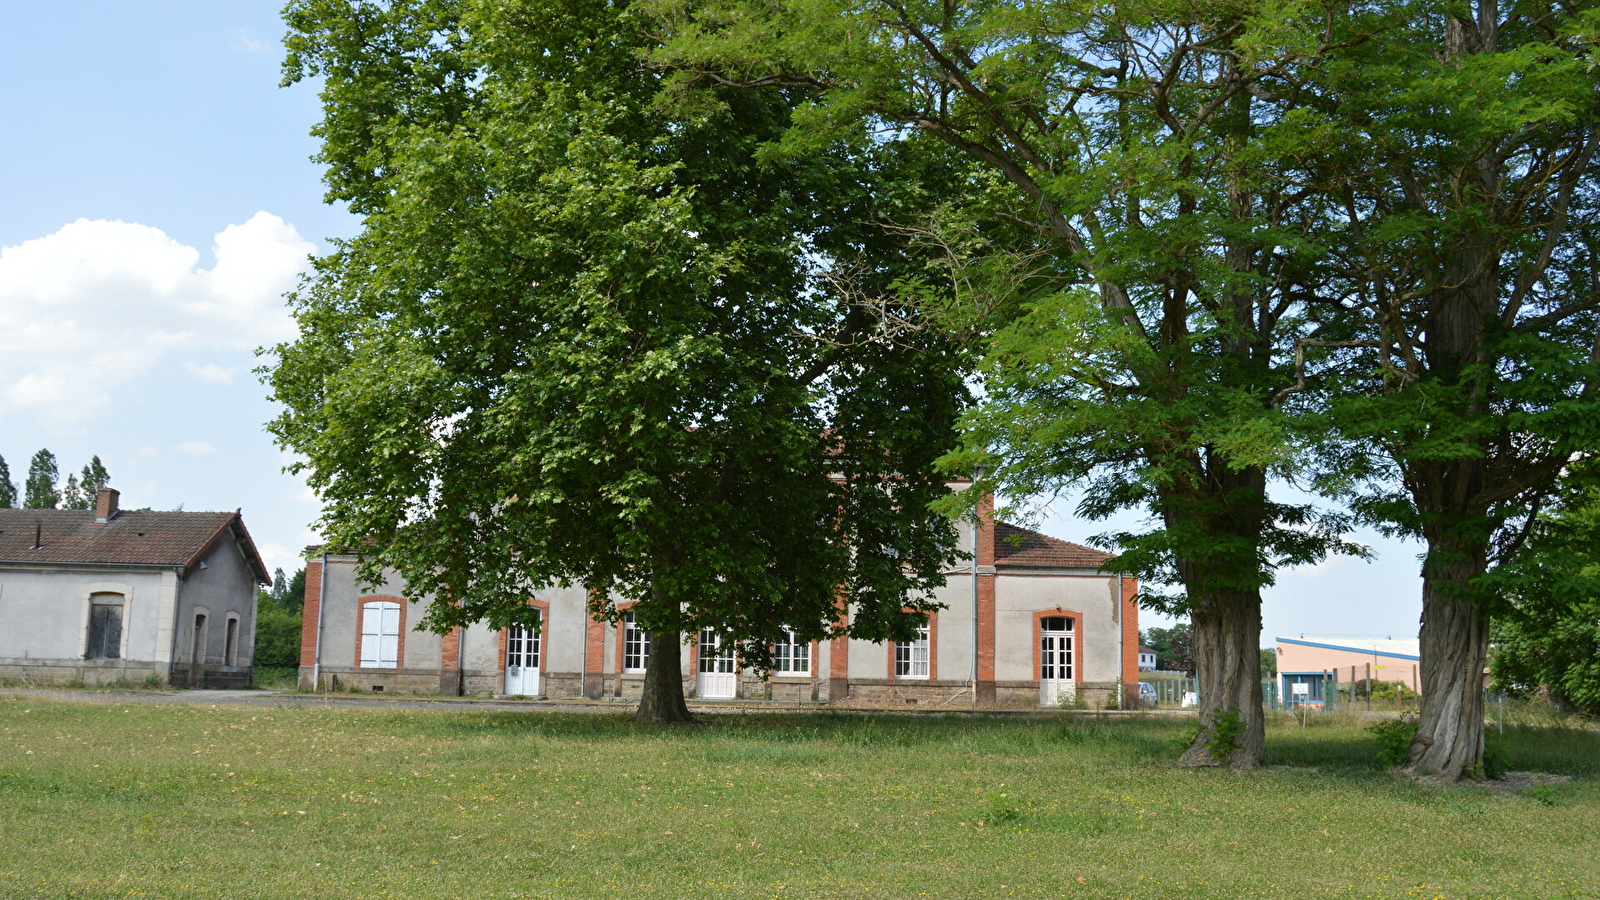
[
  {"x": 635, "y": 645},
  {"x": 791, "y": 656},
  {"x": 230, "y": 648},
  {"x": 197, "y": 653},
  {"x": 105, "y": 626},
  {"x": 911, "y": 658},
  {"x": 380, "y": 635}
]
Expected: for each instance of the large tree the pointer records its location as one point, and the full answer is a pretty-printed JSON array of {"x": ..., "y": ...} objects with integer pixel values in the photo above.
[
  {"x": 41, "y": 483},
  {"x": 1133, "y": 203},
  {"x": 1472, "y": 322},
  {"x": 586, "y": 336}
]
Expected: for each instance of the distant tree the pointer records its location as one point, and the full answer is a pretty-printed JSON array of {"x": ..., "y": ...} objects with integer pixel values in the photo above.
[
  {"x": 8, "y": 488},
  {"x": 294, "y": 596},
  {"x": 277, "y": 632},
  {"x": 1174, "y": 647},
  {"x": 1269, "y": 663},
  {"x": 41, "y": 485},
  {"x": 94, "y": 478},
  {"x": 72, "y": 495}
]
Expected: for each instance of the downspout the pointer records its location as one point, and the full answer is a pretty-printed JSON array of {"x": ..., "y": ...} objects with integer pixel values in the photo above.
[
  {"x": 977, "y": 523},
  {"x": 1122, "y": 658},
  {"x": 316, "y": 652},
  {"x": 177, "y": 622},
  {"x": 461, "y": 660}
]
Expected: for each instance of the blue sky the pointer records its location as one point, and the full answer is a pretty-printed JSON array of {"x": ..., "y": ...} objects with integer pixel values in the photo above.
[{"x": 157, "y": 198}]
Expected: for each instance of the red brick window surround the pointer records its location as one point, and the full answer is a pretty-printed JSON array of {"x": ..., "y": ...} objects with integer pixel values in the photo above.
[
  {"x": 544, "y": 629},
  {"x": 917, "y": 660},
  {"x": 1061, "y": 623},
  {"x": 380, "y": 639},
  {"x": 633, "y": 645}
]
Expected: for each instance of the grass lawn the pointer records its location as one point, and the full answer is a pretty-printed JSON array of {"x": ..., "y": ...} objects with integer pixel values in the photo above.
[{"x": 169, "y": 801}]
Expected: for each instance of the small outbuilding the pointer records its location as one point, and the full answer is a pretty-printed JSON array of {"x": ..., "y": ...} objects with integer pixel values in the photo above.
[{"x": 108, "y": 596}]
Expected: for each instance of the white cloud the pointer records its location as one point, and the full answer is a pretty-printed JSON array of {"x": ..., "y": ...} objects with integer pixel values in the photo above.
[
  {"x": 253, "y": 45},
  {"x": 195, "y": 448},
  {"x": 211, "y": 372},
  {"x": 98, "y": 303}
]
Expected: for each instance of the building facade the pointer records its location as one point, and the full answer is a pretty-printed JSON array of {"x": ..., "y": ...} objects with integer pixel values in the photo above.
[
  {"x": 1308, "y": 667},
  {"x": 108, "y": 596},
  {"x": 1031, "y": 620}
]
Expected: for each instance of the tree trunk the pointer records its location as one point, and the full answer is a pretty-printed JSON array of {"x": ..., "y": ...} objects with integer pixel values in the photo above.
[
  {"x": 1227, "y": 637},
  {"x": 1228, "y": 509},
  {"x": 662, "y": 701},
  {"x": 1455, "y": 643}
]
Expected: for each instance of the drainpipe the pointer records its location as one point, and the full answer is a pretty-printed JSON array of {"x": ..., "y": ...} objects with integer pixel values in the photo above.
[
  {"x": 316, "y": 652},
  {"x": 977, "y": 524},
  {"x": 1122, "y": 629},
  {"x": 177, "y": 621},
  {"x": 461, "y": 660}
]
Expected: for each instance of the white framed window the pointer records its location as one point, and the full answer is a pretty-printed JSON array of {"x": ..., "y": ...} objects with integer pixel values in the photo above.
[
  {"x": 911, "y": 657},
  {"x": 380, "y": 635},
  {"x": 635, "y": 645},
  {"x": 791, "y": 656}
]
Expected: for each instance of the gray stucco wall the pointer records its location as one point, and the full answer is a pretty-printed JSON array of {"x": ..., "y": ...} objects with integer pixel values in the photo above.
[
  {"x": 1019, "y": 597},
  {"x": 45, "y": 610},
  {"x": 223, "y": 587}
]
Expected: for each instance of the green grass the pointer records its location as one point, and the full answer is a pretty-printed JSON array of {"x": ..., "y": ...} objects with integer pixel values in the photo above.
[{"x": 169, "y": 801}]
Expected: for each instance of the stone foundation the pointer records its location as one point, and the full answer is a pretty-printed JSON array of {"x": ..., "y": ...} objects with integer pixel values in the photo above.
[{"x": 96, "y": 672}]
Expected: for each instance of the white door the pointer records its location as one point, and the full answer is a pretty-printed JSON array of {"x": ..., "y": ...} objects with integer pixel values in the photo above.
[
  {"x": 718, "y": 678},
  {"x": 522, "y": 661},
  {"x": 1056, "y": 685}
]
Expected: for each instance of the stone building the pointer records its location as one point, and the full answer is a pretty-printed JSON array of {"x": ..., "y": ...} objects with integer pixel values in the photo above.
[
  {"x": 1030, "y": 621},
  {"x": 127, "y": 596}
]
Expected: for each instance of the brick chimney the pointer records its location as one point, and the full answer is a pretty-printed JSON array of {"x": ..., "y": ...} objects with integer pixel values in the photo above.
[{"x": 105, "y": 504}]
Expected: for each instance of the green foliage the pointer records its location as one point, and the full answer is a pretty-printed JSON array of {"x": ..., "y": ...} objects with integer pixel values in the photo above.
[
  {"x": 1226, "y": 727},
  {"x": 278, "y": 633},
  {"x": 1548, "y": 634},
  {"x": 72, "y": 495},
  {"x": 8, "y": 488},
  {"x": 41, "y": 483},
  {"x": 289, "y": 592},
  {"x": 1269, "y": 662},
  {"x": 590, "y": 334},
  {"x": 1000, "y": 807},
  {"x": 1394, "y": 737},
  {"x": 1174, "y": 647},
  {"x": 93, "y": 478}
]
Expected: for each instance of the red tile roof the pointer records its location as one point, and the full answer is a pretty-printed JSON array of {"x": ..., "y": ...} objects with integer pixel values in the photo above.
[
  {"x": 1014, "y": 546},
  {"x": 132, "y": 537}
]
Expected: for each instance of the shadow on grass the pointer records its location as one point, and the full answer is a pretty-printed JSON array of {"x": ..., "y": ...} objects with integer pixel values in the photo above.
[{"x": 1334, "y": 747}]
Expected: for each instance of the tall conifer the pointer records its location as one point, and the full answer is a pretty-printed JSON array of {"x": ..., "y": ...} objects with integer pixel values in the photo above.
[{"x": 41, "y": 484}]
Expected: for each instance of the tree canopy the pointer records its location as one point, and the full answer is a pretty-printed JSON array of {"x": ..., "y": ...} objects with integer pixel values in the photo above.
[
  {"x": 589, "y": 335},
  {"x": 1134, "y": 250}
]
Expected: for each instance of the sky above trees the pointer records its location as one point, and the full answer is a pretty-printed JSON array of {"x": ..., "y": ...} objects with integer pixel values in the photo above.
[{"x": 160, "y": 201}]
